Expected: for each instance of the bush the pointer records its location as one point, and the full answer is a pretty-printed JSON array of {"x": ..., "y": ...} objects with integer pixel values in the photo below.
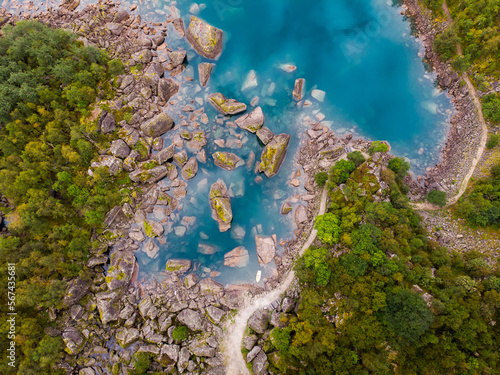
[
  {"x": 115, "y": 67},
  {"x": 328, "y": 226},
  {"x": 321, "y": 178},
  {"x": 341, "y": 171},
  {"x": 491, "y": 108},
  {"x": 399, "y": 166},
  {"x": 437, "y": 197},
  {"x": 378, "y": 146},
  {"x": 445, "y": 44},
  {"x": 179, "y": 333},
  {"x": 493, "y": 140},
  {"x": 356, "y": 157}
]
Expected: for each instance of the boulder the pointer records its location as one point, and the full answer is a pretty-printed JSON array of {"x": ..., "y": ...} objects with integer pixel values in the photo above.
[
  {"x": 114, "y": 165},
  {"x": 75, "y": 291},
  {"x": 237, "y": 257},
  {"x": 166, "y": 200},
  {"x": 298, "y": 91},
  {"x": 178, "y": 265},
  {"x": 181, "y": 158},
  {"x": 119, "y": 148},
  {"x": 190, "y": 169},
  {"x": 151, "y": 249},
  {"x": 300, "y": 215},
  {"x": 107, "y": 122},
  {"x": 127, "y": 336},
  {"x": 211, "y": 286},
  {"x": 266, "y": 249},
  {"x": 287, "y": 305},
  {"x": 191, "y": 319},
  {"x": 221, "y": 205},
  {"x": 73, "y": 339},
  {"x": 129, "y": 135},
  {"x": 226, "y": 160},
  {"x": 191, "y": 280},
  {"x": 153, "y": 228},
  {"x": 233, "y": 299},
  {"x": 169, "y": 355},
  {"x": 142, "y": 57},
  {"x": 215, "y": 314},
  {"x": 226, "y": 106},
  {"x": 120, "y": 269},
  {"x": 200, "y": 348},
  {"x": 274, "y": 154},
  {"x": 286, "y": 208},
  {"x": 176, "y": 59},
  {"x": 166, "y": 89},
  {"x": 259, "y": 320},
  {"x": 252, "y": 121},
  {"x": 204, "y": 71},
  {"x": 260, "y": 364},
  {"x": 253, "y": 353},
  {"x": 108, "y": 306},
  {"x": 265, "y": 135},
  {"x": 184, "y": 355},
  {"x": 205, "y": 39},
  {"x": 198, "y": 140},
  {"x": 149, "y": 175},
  {"x": 143, "y": 149},
  {"x": 159, "y": 125},
  {"x": 165, "y": 154}
]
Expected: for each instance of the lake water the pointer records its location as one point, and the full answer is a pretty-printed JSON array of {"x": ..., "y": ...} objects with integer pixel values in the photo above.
[{"x": 359, "y": 52}]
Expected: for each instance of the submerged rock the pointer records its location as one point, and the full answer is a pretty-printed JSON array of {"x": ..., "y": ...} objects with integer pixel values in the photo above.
[
  {"x": 252, "y": 121},
  {"x": 266, "y": 249},
  {"x": 274, "y": 154},
  {"x": 204, "y": 71},
  {"x": 159, "y": 125},
  {"x": 205, "y": 39},
  {"x": 237, "y": 257},
  {"x": 226, "y": 160},
  {"x": 151, "y": 249},
  {"x": 226, "y": 106},
  {"x": 221, "y": 205}
]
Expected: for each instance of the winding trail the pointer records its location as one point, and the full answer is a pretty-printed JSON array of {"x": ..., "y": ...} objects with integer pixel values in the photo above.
[
  {"x": 233, "y": 338},
  {"x": 484, "y": 134}
]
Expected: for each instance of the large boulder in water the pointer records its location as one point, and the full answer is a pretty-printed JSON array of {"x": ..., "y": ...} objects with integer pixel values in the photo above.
[
  {"x": 266, "y": 249},
  {"x": 237, "y": 257},
  {"x": 274, "y": 154},
  {"x": 205, "y": 70},
  {"x": 205, "y": 39},
  {"x": 252, "y": 121},
  {"x": 178, "y": 265},
  {"x": 159, "y": 125},
  {"x": 226, "y": 160},
  {"x": 221, "y": 205},
  {"x": 226, "y": 106}
]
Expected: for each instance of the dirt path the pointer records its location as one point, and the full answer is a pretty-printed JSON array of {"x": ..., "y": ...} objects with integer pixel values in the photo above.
[
  {"x": 484, "y": 136},
  {"x": 233, "y": 338}
]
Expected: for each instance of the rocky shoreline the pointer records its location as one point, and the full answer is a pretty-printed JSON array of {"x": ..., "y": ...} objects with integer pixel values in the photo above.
[{"x": 464, "y": 135}]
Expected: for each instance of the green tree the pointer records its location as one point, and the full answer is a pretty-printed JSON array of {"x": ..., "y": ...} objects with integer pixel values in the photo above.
[
  {"x": 356, "y": 157},
  {"x": 340, "y": 172},
  {"x": 328, "y": 226},
  {"x": 378, "y": 146},
  {"x": 436, "y": 197}
]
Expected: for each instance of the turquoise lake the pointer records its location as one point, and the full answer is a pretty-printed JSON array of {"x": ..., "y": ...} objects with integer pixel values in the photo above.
[{"x": 359, "y": 52}]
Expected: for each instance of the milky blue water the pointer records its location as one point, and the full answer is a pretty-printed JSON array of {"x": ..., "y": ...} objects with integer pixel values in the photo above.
[{"x": 359, "y": 52}]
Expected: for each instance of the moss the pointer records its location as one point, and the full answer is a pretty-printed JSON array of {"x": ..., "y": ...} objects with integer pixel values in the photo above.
[
  {"x": 221, "y": 156},
  {"x": 141, "y": 148},
  {"x": 221, "y": 211},
  {"x": 136, "y": 68},
  {"x": 148, "y": 229},
  {"x": 150, "y": 164}
]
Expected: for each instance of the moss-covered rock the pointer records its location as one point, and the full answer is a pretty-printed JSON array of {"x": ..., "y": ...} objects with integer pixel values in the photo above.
[
  {"x": 221, "y": 205},
  {"x": 274, "y": 154},
  {"x": 198, "y": 140},
  {"x": 178, "y": 265},
  {"x": 149, "y": 175},
  {"x": 226, "y": 160},
  {"x": 157, "y": 126},
  {"x": 205, "y": 39},
  {"x": 120, "y": 270},
  {"x": 190, "y": 169},
  {"x": 226, "y": 106}
]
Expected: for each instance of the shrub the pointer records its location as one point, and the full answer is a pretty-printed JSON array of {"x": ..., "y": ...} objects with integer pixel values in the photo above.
[
  {"x": 179, "y": 333},
  {"x": 341, "y": 171},
  {"x": 399, "y": 166},
  {"x": 378, "y": 146},
  {"x": 491, "y": 108},
  {"x": 437, "y": 197},
  {"x": 445, "y": 44},
  {"x": 493, "y": 140},
  {"x": 321, "y": 178},
  {"x": 356, "y": 157},
  {"x": 115, "y": 67}
]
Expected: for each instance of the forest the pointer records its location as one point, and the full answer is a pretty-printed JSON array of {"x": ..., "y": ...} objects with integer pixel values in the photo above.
[
  {"x": 48, "y": 82},
  {"x": 379, "y": 297}
]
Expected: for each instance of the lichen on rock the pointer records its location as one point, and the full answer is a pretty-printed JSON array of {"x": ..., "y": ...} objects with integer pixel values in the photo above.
[
  {"x": 274, "y": 154},
  {"x": 205, "y": 39},
  {"x": 221, "y": 205},
  {"x": 226, "y": 106}
]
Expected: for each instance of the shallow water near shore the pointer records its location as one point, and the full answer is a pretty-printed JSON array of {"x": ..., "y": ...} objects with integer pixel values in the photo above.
[{"x": 359, "y": 52}]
